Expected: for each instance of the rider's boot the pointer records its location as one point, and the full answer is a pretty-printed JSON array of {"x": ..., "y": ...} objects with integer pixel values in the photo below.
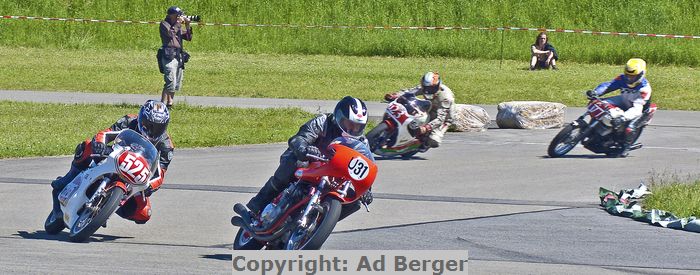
[
  {"x": 629, "y": 139},
  {"x": 268, "y": 192},
  {"x": 56, "y": 205},
  {"x": 58, "y": 186}
]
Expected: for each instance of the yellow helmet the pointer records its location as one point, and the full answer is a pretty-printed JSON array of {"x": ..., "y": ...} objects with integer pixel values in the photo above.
[{"x": 634, "y": 71}]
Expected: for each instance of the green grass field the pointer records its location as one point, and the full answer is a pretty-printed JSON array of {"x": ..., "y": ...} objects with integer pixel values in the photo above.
[
  {"x": 647, "y": 16},
  {"x": 55, "y": 129},
  {"x": 674, "y": 193},
  {"x": 326, "y": 77}
]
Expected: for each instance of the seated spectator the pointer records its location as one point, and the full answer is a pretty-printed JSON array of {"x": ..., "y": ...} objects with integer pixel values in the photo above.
[{"x": 544, "y": 55}]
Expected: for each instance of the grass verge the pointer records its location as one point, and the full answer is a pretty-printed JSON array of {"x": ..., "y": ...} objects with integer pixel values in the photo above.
[
  {"x": 680, "y": 196},
  {"x": 326, "y": 77},
  {"x": 33, "y": 129}
]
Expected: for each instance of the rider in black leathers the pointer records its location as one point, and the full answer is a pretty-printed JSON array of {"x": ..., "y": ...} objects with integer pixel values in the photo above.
[{"x": 348, "y": 119}]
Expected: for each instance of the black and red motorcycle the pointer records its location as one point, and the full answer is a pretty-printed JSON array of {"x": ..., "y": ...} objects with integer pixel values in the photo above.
[
  {"x": 303, "y": 215},
  {"x": 599, "y": 134}
]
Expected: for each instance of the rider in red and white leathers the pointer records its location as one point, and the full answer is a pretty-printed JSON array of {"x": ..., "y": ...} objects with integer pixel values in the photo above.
[
  {"x": 634, "y": 99},
  {"x": 151, "y": 122},
  {"x": 441, "y": 112}
]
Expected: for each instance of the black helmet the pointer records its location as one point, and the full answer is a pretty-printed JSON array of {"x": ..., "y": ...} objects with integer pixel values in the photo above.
[
  {"x": 175, "y": 10},
  {"x": 153, "y": 120},
  {"x": 430, "y": 82},
  {"x": 350, "y": 115}
]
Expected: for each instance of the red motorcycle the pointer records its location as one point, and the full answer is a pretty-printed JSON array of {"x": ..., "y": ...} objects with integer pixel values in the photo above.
[
  {"x": 598, "y": 134},
  {"x": 305, "y": 213}
]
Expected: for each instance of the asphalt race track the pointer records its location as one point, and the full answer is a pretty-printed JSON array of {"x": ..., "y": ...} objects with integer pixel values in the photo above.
[{"x": 493, "y": 193}]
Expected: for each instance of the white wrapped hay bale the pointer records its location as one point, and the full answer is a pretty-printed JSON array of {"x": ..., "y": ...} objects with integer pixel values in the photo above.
[
  {"x": 469, "y": 118},
  {"x": 530, "y": 115}
]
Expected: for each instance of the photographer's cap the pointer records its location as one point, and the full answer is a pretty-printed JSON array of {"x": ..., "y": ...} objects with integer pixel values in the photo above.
[{"x": 175, "y": 10}]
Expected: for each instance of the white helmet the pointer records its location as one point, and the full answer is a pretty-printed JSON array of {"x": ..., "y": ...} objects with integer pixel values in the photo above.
[{"x": 430, "y": 83}]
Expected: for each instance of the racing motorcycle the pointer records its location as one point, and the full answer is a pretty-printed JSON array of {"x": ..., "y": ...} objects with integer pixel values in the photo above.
[
  {"x": 303, "y": 215},
  {"x": 395, "y": 135},
  {"x": 96, "y": 193},
  {"x": 598, "y": 134}
]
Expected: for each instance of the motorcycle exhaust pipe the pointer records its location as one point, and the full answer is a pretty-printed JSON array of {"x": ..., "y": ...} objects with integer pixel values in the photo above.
[
  {"x": 237, "y": 221},
  {"x": 244, "y": 221},
  {"x": 240, "y": 209}
]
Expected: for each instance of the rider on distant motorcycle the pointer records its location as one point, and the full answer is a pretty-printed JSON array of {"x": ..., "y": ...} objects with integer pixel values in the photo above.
[
  {"x": 634, "y": 98},
  {"x": 151, "y": 121},
  {"x": 441, "y": 113},
  {"x": 348, "y": 119}
]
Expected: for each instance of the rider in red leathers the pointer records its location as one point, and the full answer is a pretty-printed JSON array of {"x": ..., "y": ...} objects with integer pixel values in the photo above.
[{"x": 151, "y": 121}]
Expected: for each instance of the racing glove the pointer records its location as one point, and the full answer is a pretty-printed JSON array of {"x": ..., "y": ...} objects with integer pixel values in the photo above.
[
  {"x": 424, "y": 129},
  {"x": 99, "y": 148},
  {"x": 391, "y": 96},
  {"x": 314, "y": 151},
  {"x": 591, "y": 94}
]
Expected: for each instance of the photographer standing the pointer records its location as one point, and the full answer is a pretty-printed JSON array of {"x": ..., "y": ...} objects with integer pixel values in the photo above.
[{"x": 171, "y": 57}]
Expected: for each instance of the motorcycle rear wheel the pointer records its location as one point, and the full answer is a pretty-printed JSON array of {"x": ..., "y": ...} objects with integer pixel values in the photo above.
[
  {"x": 313, "y": 237},
  {"x": 564, "y": 141},
  {"x": 53, "y": 225},
  {"x": 88, "y": 222},
  {"x": 244, "y": 241}
]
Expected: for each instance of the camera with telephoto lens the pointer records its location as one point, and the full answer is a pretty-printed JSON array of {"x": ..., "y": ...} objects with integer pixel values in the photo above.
[{"x": 193, "y": 18}]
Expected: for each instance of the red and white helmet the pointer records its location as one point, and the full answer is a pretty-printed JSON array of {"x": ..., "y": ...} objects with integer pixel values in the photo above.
[{"x": 350, "y": 115}]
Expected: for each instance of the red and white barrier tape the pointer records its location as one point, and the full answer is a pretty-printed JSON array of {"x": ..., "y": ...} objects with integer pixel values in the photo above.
[{"x": 362, "y": 27}]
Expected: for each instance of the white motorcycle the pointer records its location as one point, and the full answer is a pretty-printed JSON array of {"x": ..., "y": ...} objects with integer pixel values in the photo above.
[
  {"x": 395, "y": 135},
  {"x": 96, "y": 193}
]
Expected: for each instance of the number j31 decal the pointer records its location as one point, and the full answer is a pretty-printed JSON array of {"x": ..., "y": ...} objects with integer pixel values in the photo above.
[{"x": 358, "y": 168}]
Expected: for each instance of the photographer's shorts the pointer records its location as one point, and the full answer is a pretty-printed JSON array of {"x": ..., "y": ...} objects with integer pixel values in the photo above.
[{"x": 172, "y": 75}]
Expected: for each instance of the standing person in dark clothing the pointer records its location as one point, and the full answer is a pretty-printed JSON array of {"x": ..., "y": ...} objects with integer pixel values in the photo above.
[
  {"x": 170, "y": 56},
  {"x": 544, "y": 56}
]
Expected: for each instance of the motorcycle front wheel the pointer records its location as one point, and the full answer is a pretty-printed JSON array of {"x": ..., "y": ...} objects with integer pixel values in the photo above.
[
  {"x": 89, "y": 221},
  {"x": 377, "y": 136},
  {"x": 244, "y": 241},
  {"x": 321, "y": 224},
  {"x": 564, "y": 141}
]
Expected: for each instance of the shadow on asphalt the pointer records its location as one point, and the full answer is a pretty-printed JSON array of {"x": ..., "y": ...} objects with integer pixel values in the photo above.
[
  {"x": 578, "y": 157},
  {"x": 446, "y": 221},
  {"x": 399, "y": 158},
  {"x": 220, "y": 257},
  {"x": 63, "y": 236}
]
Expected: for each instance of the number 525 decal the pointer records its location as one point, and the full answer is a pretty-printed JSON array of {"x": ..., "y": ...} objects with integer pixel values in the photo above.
[{"x": 133, "y": 168}]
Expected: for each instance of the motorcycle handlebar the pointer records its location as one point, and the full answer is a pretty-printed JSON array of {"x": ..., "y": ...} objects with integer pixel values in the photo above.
[{"x": 319, "y": 158}]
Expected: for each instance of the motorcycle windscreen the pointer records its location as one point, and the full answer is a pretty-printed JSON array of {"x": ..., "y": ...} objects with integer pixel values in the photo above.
[
  {"x": 356, "y": 145},
  {"x": 138, "y": 144}
]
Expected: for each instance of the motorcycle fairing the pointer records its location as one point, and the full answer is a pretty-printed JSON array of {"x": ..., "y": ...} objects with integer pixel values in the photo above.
[
  {"x": 346, "y": 164},
  {"x": 73, "y": 196}
]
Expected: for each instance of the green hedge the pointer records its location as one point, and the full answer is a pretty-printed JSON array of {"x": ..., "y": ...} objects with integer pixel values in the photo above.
[{"x": 660, "y": 16}]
